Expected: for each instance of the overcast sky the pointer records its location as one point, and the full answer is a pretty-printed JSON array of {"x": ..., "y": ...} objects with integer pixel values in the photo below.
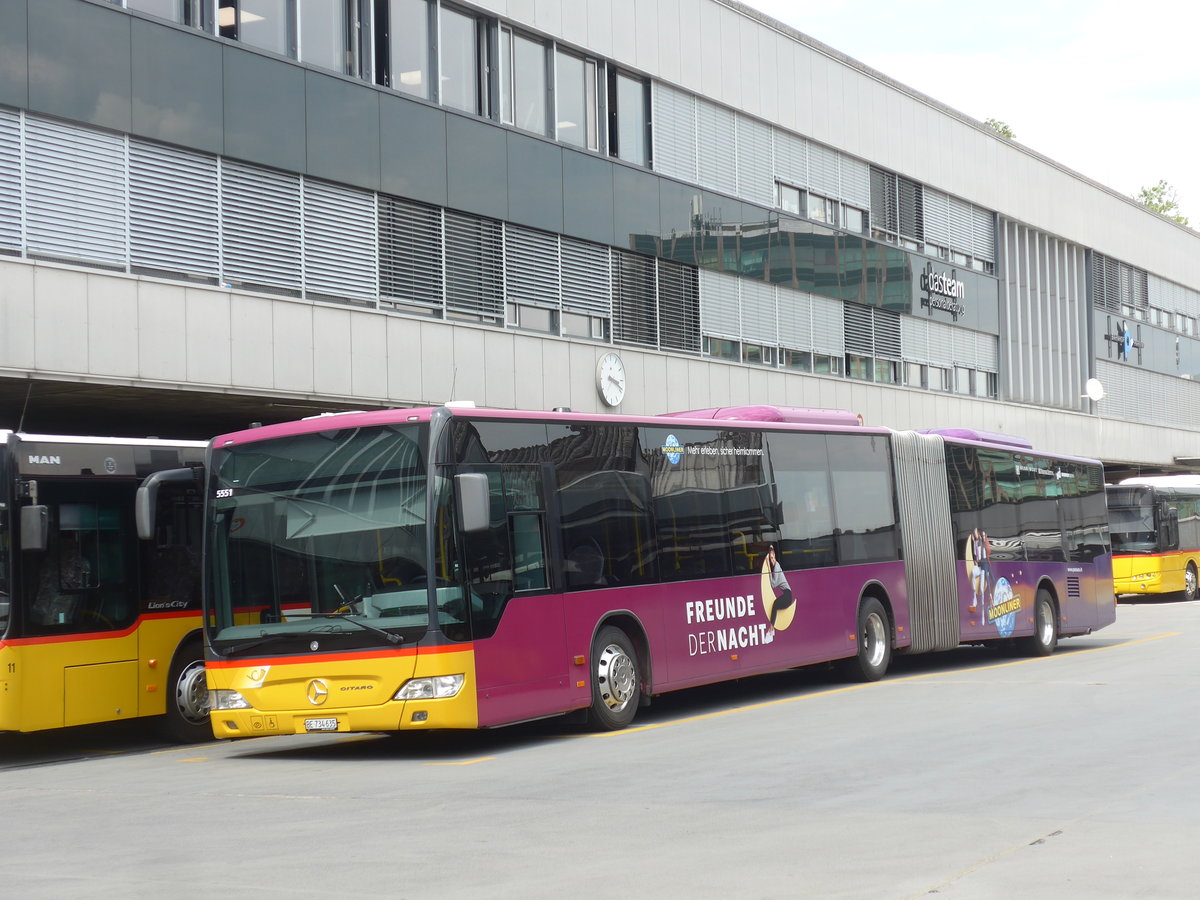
[{"x": 1110, "y": 89}]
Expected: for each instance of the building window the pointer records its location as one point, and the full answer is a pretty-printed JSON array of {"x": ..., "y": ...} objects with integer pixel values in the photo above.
[
  {"x": 402, "y": 46},
  {"x": 532, "y": 318},
  {"x": 722, "y": 348},
  {"x": 821, "y": 209},
  {"x": 459, "y": 49},
  {"x": 324, "y": 34},
  {"x": 577, "y": 114},
  {"x": 585, "y": 326},
  {"x": 758, "y": 354},
  {"x": 522, "y": 81},
  {"x": 861, "y": 368},
  {"x": 259, "y": 23},
  {"x": 193, "y": 13},
  {"x": 790, "y": 199},
  {"x": 627, "y": 118},
  {"x": 854, "y": 219}
]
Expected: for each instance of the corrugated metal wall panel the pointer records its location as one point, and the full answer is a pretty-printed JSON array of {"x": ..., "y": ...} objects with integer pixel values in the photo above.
[
  {"x": 75, "y": 193},
  {"x": 856, "y": 181},
  {"x": 790, "y": 158},
  {"x": 823, "y": 174},
  {"x": 983, "y": 234},
  {"x": 10, "y": 181},
  {"x": 474, "y": 267},
  {"x": 410, "y": 253},
  {"x": 173, "y": 203},
  {"x": 754, "y": 164},
  {"x": 635, "y": 302},
  {"x": 760, "y": 319},
  {"x": 795, "y": 315},
  {"x": 586, "y": 278},
  {"x": 937, "y": 217},
  {"x": 715, "y": 156},
  {"x": 720, "y": 305},
  {"x": 678, "y": 307},
  {"x": 674, "y": 132},
  {"x": 827, "y": 326},
  {"x": 260, "y": 228},
  {"x": 531, "y": 267},
  {"x": 859, "y": 329},
  {"x": 339, "y": 243}
]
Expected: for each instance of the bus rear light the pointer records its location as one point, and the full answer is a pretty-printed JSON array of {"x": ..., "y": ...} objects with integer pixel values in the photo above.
[
  {"x": 438, "y": 687},
  {"x": 228, "y": 700}
]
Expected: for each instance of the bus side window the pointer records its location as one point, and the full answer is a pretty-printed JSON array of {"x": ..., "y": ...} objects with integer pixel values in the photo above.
[{"x": 83, "y": 582}]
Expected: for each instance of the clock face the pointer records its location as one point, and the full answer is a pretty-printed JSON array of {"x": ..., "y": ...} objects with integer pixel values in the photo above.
[{"x": 610, "y": 379}]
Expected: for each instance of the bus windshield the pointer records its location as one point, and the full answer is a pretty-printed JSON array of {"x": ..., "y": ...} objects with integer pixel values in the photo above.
[
  {"x": 320, "y": 537},
  {"x": 1131, "y": 520}
]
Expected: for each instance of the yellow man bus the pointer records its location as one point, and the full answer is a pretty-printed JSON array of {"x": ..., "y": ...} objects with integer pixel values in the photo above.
[
  {"x": 95, "y": 625},
  {"x": 1155, "y": 523}
]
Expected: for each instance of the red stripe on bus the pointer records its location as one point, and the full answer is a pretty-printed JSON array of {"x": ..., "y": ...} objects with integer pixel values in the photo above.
[{"x": 97, "y": 635}]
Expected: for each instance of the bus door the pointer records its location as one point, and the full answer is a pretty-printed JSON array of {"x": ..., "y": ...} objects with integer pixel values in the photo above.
[
  {"x": 79, "y": 599},
  {"x": 517, "y": 622}
]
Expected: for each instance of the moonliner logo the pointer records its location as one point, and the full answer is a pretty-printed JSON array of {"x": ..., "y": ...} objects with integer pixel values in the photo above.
[{"x": 943, "y": 291}]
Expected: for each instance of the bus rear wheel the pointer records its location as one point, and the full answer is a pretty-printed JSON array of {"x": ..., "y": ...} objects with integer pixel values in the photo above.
[
  {"x": 874, "y": 638},
  {"x": 186, "y": 721},
  {"x": 616, "y": 681},
  {"x": 1045, "y": 627}
]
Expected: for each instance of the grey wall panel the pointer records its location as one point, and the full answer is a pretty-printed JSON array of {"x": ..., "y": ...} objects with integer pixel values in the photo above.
[
  {"x": 587, "y": 197},
  {"x": 264, "y": 124},
  {"x": 668, "y": 34},
  {"x": 336, "y": 110},
  {"x": 95, "y": 86},
  {"x": 60, "y": 326},
  {"x": 412, "y": 139},
  {"x": 624, "y": 19},
  {"x": 162, "y": 332},
  {"x": 175, "y": 87},
  {"x": 476, "y": 167},
  {"x": 675, "y": 211},
  {"x": 112, "y": 345},
  {"x": 535, "y": 183},
  {"x": 637, "y": 223},
  {"x": 14, "y": 55}
]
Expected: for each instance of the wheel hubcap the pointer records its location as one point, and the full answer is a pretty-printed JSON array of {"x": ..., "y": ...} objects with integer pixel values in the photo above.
[
  {"x": 191, "y": 694},
  {"x": 1189, "y": 582},
  {"x": 873, "y": 638},
  {"x": 616, "y": 677},
  {"x": 1047, "y": 622}
]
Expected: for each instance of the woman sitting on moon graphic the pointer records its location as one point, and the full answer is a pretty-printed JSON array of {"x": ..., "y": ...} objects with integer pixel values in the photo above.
[{"x": 778, "y": 602}]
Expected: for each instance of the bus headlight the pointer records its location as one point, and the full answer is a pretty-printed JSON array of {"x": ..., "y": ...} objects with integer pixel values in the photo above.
[
  {"x": 228, "y": 700},
  {"x": 436, "y": 688}
]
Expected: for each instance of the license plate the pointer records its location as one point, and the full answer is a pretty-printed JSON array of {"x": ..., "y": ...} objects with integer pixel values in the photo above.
[{"x": 320, "y": 724}]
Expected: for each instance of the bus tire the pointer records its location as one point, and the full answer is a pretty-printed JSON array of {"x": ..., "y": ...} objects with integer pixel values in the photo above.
[
  {"x": 1045, "y": 627},
  {"x": 874, "y": 639},
  {"x": 1189, "y": 582},
  {"x": 616, "y": 681},
  {"x": 186, "y": 720}
]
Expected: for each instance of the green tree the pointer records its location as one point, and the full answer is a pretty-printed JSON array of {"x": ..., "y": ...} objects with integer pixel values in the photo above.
[
  {"x": 1001, "y": 128},
  {"x": 1162, "y": 199}
]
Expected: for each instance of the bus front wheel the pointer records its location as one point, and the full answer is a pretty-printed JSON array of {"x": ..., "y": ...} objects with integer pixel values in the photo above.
[
  {"x": 1045, "y": 627},
  {"x": 1189, "y": 582},
  {"x": 874, "y": 638},
  {"x": 616, "y": 682},
  {"x": 186, "y": 721}
]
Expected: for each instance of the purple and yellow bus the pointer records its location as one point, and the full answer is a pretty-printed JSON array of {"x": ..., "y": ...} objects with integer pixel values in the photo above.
[{"x": 457, "y": 567}]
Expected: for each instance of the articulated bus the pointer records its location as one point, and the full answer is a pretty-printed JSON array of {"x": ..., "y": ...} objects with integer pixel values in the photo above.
[
  {"x": 95, "y": 625},
  {"x": 1155, "y": 525},
  {"x": 455, "y": 567}
]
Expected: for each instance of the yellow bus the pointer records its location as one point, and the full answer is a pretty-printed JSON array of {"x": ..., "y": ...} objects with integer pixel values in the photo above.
[
  {"x": 95, "y": 625},
  {"x": 1155, "y": 524}
]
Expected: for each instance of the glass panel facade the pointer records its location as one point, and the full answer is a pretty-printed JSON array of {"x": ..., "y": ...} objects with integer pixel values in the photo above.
[
  {"x": 459, "y": 82},
  {"x": 407, "y": 57},
  {"x": 629, "y": 115},
  {"x": 323, "y": 33},
  {"x": 260, "y": 23}
]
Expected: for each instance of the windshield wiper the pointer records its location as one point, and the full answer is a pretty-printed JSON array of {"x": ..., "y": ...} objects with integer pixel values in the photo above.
[
  {"x": 264, "y": 638},
  {"x": 388, "y": 636}
]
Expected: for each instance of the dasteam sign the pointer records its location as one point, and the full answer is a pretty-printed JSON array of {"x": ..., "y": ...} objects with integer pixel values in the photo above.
[{"x": 943, "y": 291}]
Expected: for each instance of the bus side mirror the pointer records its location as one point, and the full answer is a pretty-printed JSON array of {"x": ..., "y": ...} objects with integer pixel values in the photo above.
[
  {"x": 474, "y": 501},
  {"x": 35, "y": 527},
  {"x": 146, "y": 501}
]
